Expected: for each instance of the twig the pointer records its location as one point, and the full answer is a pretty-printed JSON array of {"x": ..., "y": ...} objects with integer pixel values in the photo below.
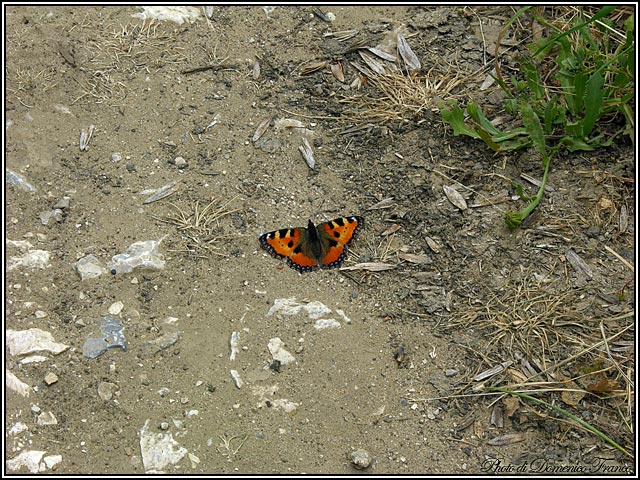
[{"x": 215, "y": 68}]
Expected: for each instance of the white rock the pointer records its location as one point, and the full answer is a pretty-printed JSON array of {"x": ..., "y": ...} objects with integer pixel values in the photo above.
[
  {"x": 289, "y": 306},
  {"x": 90, "y": 267},
  {"x": 328, "y": 323},
  {"x": 159, "y": 450},
  {"x": 50, "y": 461},
  {"x": 34, "y": 359},
  {"x": 28, "y": 458},
  {"x": 18, "y": 428},
  {"x": 33, "y": 340},
  {"x": 175, "y": 14},
  {"x": 275, "y": 346},
  {"x": 47, "y": 418},
  {"x": 50, "y": 378},
  {"x": 31, "y": 259},
  {"x": 17, "y": 385}
]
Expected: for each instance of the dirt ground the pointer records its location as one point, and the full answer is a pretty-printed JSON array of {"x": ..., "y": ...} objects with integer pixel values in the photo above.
[{"x": 395, "y": 379}]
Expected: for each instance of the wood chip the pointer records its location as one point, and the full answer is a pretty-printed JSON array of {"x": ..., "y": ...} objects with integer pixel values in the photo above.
[
  {"x": 85, "y": 137},
  {"x": 578, "y": 264},
  {"x": 370, "y": 266},
  {"x": 537, "y": 183},
  {"x": 455, "y": 197},
  {"x": 511, "y": 405},
  {"x": 424, "y": 276}
]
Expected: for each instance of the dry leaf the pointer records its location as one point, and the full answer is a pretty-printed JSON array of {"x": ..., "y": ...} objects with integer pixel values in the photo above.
[
  {"x": 511, "y": 404},
  {"x": 455, "y": 197},
  {"x": 410, "y": 257},
  {"x": 410, "y": 58},
  {"x": 435, "y": 248},
  {"x": 264, "y": 124},
  {"x": 506, "y": 439},
  {"x": 492, "y": 371},
  {"x": 337, "y": 71},
  {"x": 605, "y": 385},
  {"x": 386, "y": 203},
  {"x": 392, "y": 229},
  {"x": 497, "y": 416},
  {"x": 313, "y": 67},
  {"x": 372, "y": 63},
  {"x": 382, "y": 54},
  {"x": 307, "y": 153},
  {"x": 624, "y": 219}
]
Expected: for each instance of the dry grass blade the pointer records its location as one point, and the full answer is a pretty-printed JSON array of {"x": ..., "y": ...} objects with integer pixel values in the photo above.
[
  {"x": 541, "y": 327},
  {"x": 396, "y": 96},
  {"x": 200, "y": 226},
  {"x": 370, "y": 266}
]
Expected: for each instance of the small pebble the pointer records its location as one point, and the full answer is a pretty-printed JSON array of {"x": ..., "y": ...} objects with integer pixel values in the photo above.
[
  {"x": 116, "y": 308},
  {"x": 106, "y": 390},
  {"x": 360, "y": 459},
  {"x": 50, "y": 378},
  {"x": 180, "y": 162},
  {"x": 451, "y": 372},
  {"x": 47, "y": 418}
]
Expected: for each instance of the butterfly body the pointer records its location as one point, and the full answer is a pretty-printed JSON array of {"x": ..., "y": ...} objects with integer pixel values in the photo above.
[{"x": 316, "y": 246}]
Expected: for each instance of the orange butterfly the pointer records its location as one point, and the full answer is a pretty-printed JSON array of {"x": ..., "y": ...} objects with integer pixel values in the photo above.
[{"x": 307, "y": 249}]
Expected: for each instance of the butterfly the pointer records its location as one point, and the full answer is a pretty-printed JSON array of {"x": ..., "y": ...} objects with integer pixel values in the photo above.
[{"x": 317, "y": 246}]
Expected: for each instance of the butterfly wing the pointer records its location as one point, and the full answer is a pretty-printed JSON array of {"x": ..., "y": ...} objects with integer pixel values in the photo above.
[
  {"x": 288, "y": 243},
  {"x": 335, "y": 235}
]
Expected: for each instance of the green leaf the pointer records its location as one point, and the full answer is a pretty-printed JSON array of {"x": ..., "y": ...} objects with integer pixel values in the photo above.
[
  {"x": 576, "y": 144},
  {"x": 455, "y": 118},
  {"x": 475, "y": 113},
  {"x": 533, "y": 126},
  {"x": 593, "y": 103}
]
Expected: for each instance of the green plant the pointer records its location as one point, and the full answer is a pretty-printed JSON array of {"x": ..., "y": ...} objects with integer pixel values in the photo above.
[{"x": 575, "y": 86}]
